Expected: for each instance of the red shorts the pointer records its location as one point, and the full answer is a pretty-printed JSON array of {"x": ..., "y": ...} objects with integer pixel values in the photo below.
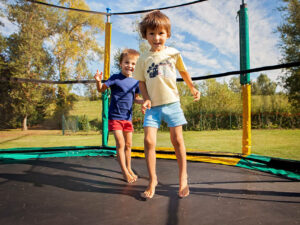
[{"x": 124, "y": 125}]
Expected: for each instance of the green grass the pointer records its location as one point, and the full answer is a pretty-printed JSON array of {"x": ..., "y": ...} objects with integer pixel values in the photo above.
[
  {"x": 92, "y": 109},
  {"x": 274, "y": 143}
]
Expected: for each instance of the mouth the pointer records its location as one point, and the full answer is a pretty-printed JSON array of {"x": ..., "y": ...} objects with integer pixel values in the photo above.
[{"x": 129, "y": 70}]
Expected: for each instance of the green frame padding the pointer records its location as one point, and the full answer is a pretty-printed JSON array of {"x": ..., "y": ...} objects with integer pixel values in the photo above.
[
  {"x": 51, "y": 152},
  {"x": 282, "y": 167}
]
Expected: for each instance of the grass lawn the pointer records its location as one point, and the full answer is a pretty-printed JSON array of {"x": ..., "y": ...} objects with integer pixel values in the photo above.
[
  {"x": 275, "y": 143},
  {"x": 92, "y": 109}
]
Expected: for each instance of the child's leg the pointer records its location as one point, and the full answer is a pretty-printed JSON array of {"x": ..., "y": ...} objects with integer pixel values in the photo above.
[
  {"x": 180, "y": 151},
  {"x": 150, "y": 143},
  {"x": 128, "y": 145},
  {"x": 120, "y": 145}
]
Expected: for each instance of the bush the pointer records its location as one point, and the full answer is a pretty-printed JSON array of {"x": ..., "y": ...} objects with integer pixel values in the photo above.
[
  {"x": 96, "y": 124},
  {"x": 83, "y": 123}
]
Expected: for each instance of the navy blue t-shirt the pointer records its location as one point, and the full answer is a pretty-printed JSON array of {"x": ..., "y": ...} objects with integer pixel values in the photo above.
[{"x": 123, "y": 90}]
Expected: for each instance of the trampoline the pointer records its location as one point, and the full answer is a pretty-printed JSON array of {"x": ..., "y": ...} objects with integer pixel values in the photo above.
[
  {"x": 91, "y": 190},
  {"x": 84, "y": 185}
]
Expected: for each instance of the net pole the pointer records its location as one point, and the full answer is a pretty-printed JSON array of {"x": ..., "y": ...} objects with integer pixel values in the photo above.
[
  {"x": 245, "y": 78},
  {"x": 106, "y": 76}
]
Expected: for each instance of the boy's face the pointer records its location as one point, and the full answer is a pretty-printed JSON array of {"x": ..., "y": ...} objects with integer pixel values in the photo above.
[
  {"x": 128, "y": 65},
  {"x": 157, "y": 38}
]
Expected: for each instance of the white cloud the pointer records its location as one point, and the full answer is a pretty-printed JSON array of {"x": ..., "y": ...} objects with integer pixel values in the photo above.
[
  {"x": 197, "y": 72},
  {"x": 9, "y": 28},
  {"x": 97, "y": 6},
  {"x": 207, "y": 33},
  {"x": 125, "y": 25},
  {"x": 196, "y": 56},
  {"x": 215, "y": 23},
  {"x": 209, "y": 24},
  {"x": 263, "y": 42}
]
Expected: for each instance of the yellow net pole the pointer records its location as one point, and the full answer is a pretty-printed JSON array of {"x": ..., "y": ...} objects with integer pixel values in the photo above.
[
  {"x": 245, "y": 78},
  {"x": 107, "y": 50},
  {"x": 246, "y": 142},
  {"x": 106, "y": 76}
]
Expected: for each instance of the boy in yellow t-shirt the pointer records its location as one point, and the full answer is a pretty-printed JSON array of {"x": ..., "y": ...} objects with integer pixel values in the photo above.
[{"x": 156, "y": 71}]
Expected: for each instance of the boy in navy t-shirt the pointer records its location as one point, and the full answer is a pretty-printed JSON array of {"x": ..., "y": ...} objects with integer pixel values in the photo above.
[{"x": 124, "y": 92}]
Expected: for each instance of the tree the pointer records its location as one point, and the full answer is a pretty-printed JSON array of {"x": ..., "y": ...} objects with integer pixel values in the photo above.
[
  {"x": 290, "y": 46},
  {"x": 263, "y": 86},
  {"x": 74, "y": 44},
  {"x": 218, "y": 97},
  {"x": 5, "y": 87},
  {"x": 27, "y": 58},
  {"x": 234, "y": 84},
  {"x": 74, "y": 47}
]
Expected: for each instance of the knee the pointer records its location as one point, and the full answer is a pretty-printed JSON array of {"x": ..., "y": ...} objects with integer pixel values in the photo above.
[
  {"x": 120, "y": 144},
  {"x": 149, "y": 143},
  {"x": 177, "y": 141},
  {"x": 128, "y": 145}
]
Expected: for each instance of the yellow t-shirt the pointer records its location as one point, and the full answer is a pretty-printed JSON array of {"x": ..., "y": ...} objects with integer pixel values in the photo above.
[{"x": 158, "y": 71}]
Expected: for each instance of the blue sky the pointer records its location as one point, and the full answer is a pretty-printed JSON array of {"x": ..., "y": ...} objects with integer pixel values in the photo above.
[{"x": 206, "y": 33}]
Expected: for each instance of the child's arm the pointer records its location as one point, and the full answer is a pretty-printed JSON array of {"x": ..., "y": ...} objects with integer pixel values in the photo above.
[
  {"x": 138, "y": 99},
  {"x": 147, "y": 102},
  {"x": 98, "y": 77},
  {"x": 187, "y": 78}
]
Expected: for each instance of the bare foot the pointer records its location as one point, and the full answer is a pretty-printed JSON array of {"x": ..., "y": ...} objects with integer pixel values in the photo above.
[
  {"x": 134, "y": 176},
  {"x": 129, "y": 179},
  {"x": 184, "y": 191},
  {"x": 150, "y": 191}
]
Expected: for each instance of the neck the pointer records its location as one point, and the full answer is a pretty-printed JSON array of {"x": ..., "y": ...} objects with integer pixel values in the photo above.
[
  {"x": 158, "y": 50},
  {"x": 128, "y": 75}
]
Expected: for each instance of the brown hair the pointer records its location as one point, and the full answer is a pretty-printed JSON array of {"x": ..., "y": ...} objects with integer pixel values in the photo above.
[
  {"x": 154, "y": 20},
  {"x": 127, "y": 52}
]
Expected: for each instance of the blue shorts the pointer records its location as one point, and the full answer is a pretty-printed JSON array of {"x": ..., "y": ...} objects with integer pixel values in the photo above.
[{"x": 171, "y": 113}]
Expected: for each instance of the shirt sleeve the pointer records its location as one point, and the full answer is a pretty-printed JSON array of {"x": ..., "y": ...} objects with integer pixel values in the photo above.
[
  {"x": 138, "y": 73},
  {"x": 110, "y": 81},
  {"x": 180, "y": 66},
  {"x": 137, "y": 90}
]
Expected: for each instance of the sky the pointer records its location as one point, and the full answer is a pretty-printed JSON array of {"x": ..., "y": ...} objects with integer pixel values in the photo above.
[{"x": 206, "y": 33}]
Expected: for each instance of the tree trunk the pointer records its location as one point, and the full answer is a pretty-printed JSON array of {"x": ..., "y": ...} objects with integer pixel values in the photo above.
[{"x": 25, "y": 123}]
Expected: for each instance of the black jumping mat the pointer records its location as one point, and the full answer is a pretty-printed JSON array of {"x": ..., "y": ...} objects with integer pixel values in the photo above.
[{"x": 91, "y": 190}]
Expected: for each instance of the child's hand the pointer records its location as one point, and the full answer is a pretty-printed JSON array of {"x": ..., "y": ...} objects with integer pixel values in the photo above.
[
  {"x": 196, "y": 94},
  {"x": 98, "y": 76},
  {"x": 146, "y": 105}
]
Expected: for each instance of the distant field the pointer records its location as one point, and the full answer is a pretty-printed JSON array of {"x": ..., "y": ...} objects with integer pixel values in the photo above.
[
  {"x": 92, "y": 109},
  {"x": 275, "y": 143}
]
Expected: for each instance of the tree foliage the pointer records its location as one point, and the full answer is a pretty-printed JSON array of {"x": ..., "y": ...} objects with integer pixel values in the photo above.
[
  {"x": 234, "y": 84},
  {"x": 263, "y": 86},
  {"x": 74, "y": 47},
  {"x": 218, "y": 96},
  {"x": 74, "y": 44},
  {"x": 49, "y": 44},
  {"x": 27, "y": 58},
  {"x": 290, "y": 45}
]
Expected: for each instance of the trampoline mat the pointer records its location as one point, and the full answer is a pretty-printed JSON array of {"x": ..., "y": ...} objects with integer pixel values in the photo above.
[{"x": 90, "y": 190}]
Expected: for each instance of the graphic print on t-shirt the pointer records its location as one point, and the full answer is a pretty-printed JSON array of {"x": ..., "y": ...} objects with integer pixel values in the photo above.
[{"x": 164, "y": 68}]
